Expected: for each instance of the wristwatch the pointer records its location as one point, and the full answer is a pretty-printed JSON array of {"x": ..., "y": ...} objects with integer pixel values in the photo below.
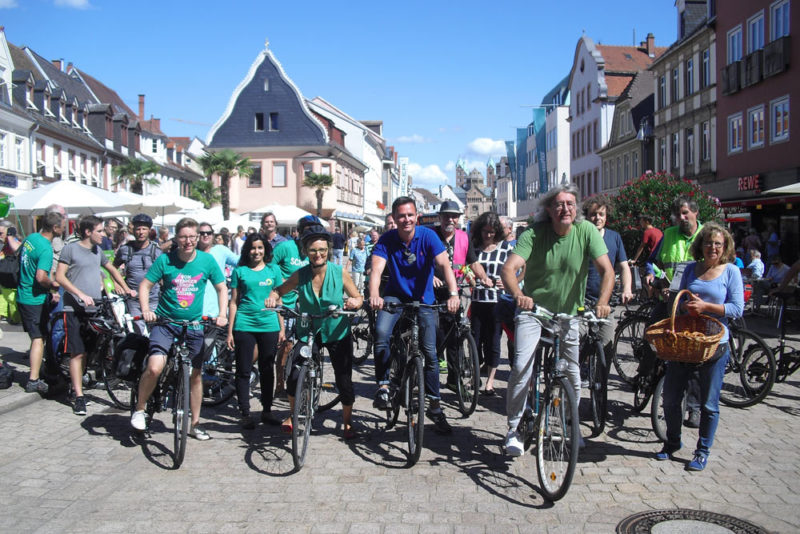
[{"x": 454, "y": 293}]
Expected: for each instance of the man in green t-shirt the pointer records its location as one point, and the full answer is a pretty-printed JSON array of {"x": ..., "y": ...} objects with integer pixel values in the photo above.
[
  {"x": 184, "y": 273},
  {"x": 555, "y": 252},
  {"x": 36, "y": 262}
]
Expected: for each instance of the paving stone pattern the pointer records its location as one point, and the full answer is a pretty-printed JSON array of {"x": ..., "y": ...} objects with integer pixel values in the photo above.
[{"x": 62, "y": 473}]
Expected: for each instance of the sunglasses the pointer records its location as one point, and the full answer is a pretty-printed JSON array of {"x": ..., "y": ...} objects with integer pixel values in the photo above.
[
  {"x": 206, "y": 233},
  {"x": 409, "y": 256}
]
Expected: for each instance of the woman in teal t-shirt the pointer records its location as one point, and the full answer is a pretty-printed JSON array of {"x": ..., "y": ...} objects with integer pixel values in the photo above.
[{"x": 249, "y": 327}]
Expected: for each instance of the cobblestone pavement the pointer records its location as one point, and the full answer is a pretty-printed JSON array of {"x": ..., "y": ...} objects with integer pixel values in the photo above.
[{"x": 62, "y": 473}]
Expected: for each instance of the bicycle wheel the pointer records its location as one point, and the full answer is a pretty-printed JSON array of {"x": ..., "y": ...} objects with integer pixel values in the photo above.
[
  {"x": 528, "y": 424},
  {"x": 119, "y": 391},
  {"x": 414, "y": 395},
  {"x": 392, "y": 413},
  {"x": 598, "y": 388},
  {"x": 657, "y": 411},
  {"x": 180, "y": 411},
  {"x": 327, "y": 394},
  {"x": 219, "y": 377},
  {"x": 469, "y": 377},
  {"x": 629, "y": 345},
  {"x": 641, "y": 393},
  {"x": 557, "y": 439},
  {"x": 301, "y": 416},
  {"x": 362, "y": 336},
  {"x": 749, "y": 373}
]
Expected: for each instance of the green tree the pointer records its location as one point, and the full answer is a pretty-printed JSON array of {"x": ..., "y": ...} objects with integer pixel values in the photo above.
[
  {"x": 205, "y": 192},
  {"x": 225, "y": 163},
  {"x": 137, "y": 173},
  {"x": 318, "y": 182},
  {"x": 654, "y": 194}
]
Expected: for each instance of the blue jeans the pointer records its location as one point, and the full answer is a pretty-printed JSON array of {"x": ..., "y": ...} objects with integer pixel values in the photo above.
[
  {"x": 384, "y": 325},
  {"x": 675, "y": 382},
  {"x": 337, "y": 255}
]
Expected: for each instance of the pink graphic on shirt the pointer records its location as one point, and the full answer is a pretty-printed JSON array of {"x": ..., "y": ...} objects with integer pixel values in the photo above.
[{"x": 185, "y": 288}]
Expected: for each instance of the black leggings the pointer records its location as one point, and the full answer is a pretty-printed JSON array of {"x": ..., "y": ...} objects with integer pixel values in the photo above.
[
  {"x": 245, "y": 346},
  {"x": 341, "y": 356},
  {"x": 486, "y": 330}
]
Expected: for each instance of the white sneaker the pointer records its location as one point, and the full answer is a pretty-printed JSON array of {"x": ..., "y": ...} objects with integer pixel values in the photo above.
[
  {"x": 513, "y": 445},
  {"x": 138, "y": 421}
]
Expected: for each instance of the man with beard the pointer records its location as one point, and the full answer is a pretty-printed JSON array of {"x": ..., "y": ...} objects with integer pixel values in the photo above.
[
  {"x": 669, "y": 257},
  {"x": 460, "y": 252},
  {"x": 269, "y": 227}
]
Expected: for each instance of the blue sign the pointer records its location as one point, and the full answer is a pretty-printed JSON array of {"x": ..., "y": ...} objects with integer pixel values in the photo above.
[{"x": 8, "y": 180}]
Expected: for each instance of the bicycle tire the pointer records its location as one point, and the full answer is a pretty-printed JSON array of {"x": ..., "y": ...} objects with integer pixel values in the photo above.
[
  {"x": 414, "y": 395},
  {"x": 598, "y": 389},
  {"x": 327, "y": 392},
  {"x": 115, "y": 387},
  {"x": 750, "y": 372},
  {"x": 528, "y": 424},
  {"x": 219, "y": 377},
  {"x": 641, "y": 396},
  {"x": 628, "y": 346},
  {"x": 557, "y": 439},
  {"x": 469, "y": 375},
  {"x": 392, "y": 413},
  {"x": 657, "y": 418},
  {"x": 789, "y": 363},
  {"x": 362, "y": 336},
  {"x": 301, "y": 416},
  {"x": 180, "y": 411}
]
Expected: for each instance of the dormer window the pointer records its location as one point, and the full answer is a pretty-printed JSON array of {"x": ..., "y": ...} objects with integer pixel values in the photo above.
[
  {"x": 47, "y": 105},
  {"x": 62, "y": 111},
  {"x": 75, "y": 117},
  {"x": 29, "y": 97}
]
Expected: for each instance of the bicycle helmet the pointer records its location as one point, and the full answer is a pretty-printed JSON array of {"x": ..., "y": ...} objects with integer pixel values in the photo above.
[
  {"x": 142, "y": 219},
  {"x": 313, "y": 233},
  {"x": 305, "y": 222}
]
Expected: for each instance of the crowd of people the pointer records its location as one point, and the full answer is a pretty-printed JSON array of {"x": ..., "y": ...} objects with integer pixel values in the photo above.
[{"x": 567, "y": 256}]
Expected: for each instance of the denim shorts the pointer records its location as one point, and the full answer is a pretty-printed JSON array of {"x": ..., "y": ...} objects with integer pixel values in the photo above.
[{"x": 162, "y": 338}]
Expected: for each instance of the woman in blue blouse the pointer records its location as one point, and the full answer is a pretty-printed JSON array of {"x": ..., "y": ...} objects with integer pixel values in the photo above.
[
  {"x": 248, "y": 326},
  {"x": 717, "y": 291}
]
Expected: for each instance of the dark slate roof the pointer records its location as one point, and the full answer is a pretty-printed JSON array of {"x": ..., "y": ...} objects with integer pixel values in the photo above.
[
  {"x": 296, "y": 125},
  {"x": 429, "y": 197},
  {"x": 72, "y": 85},
  {"x": 105, "y": 94}
]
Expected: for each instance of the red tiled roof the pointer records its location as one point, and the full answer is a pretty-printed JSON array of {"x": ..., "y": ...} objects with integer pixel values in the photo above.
[
  {"x": 627, "y": 58},
  {"x": 106, "y": 95},
  {"x": 617, "y": 84}
]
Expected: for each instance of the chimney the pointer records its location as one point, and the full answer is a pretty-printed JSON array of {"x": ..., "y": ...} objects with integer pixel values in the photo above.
[
  {"x": 58, "y": 63},
  {"x": 141, "y": 107},
  {"x": 157, "y": 124},
  {"x": 69, "y": 67},
  {"x": 651, "y": 45}
]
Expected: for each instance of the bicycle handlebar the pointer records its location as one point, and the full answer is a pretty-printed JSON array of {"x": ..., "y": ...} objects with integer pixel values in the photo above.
[{"x": 330, "y": 312}]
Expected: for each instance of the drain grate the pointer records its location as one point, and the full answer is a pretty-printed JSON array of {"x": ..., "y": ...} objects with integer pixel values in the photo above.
[{"x": 658, "y": 521}]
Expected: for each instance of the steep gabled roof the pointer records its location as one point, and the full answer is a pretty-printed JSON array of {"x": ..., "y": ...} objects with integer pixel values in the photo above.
[
  {"x": 71, "y": 84},
  {"x": 630, "y": 59},
  {"x": 617, "y": 84},
  {"x": 105, "y": 94},
  {"x": 429, "y": 197}
]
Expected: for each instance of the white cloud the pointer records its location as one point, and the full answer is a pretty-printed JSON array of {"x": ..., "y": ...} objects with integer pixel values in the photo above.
[
  {"x": 8, "y": 4},
  {"x": 430, "y": 175},
  {"x": 412, "y": 139},
  {"x": 450, "y": 166},
  {"x": 476, "y": 164},
  {"x": 484, "y": 146},
  {"x": 75, "y": 4}
]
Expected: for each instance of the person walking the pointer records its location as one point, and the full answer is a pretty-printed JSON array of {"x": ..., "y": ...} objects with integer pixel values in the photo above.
[
  {"x": 717, "y": 291},
  {"x": 356, "y": 264},
  {"x": 248, "y": 326},
  {"x": 339, "y": 241}
]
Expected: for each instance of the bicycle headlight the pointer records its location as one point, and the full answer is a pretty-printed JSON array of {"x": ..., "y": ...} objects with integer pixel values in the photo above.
[
  {"x": 305, "y": 351},
  {"x": 561, "y": 366}
]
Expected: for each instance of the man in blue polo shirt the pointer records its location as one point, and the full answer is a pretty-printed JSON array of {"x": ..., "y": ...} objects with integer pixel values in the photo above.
[{"x": 410, "y": 253}]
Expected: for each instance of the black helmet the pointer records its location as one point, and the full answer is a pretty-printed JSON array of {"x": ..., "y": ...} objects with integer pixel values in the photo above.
[
  {"x": 308, "y": 220},
  {"x": 314, "y": 232},
  {"x": 142, "y": 219}
]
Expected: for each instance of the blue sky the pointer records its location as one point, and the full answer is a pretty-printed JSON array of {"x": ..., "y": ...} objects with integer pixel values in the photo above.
[{"x": 448, "y": 79}]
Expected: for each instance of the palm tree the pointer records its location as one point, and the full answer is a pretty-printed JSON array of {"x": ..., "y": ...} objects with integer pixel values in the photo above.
[
  {"x": 320, "y": 182},
  {"x": 225, "y": 163},
  {"x": 205, "y": 192},
  {"x": 137, "y": 173}
]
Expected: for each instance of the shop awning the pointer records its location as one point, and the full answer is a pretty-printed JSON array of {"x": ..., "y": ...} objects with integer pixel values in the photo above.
[
  {"x": 791, "y": 189},
  {"x": 750, "y": 202},
  {"x": 350, "y": 217}
]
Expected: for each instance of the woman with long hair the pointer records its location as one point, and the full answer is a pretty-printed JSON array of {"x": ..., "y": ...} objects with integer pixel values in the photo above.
[
  {"x": 488, "y": 239},
  {"x": 248, "y": 326}
]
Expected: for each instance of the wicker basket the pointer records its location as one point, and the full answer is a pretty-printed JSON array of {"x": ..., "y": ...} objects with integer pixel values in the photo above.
[{"x": 686, "y": 338}]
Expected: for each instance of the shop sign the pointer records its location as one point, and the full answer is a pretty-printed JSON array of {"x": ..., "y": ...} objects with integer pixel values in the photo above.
[
  {"x": 8, "y": 180},
  {"x": 750, "y": 183}
]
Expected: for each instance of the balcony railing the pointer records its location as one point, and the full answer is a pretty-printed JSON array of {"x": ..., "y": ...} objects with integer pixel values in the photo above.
[
  {"x": 776, "y": 56},
  {"x": 731, "y": 78},
  {"x": 751, "y": 68}
]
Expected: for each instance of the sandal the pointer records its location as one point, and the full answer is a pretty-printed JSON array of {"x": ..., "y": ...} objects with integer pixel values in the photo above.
[
  {"x": 489, "y": 392},
  {"x": 350, "y": 433},
  {"x": 286, "y": 427}
]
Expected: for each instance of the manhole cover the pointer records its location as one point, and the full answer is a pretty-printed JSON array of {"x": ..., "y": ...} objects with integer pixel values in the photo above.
[{"x": 680, "y": 521}]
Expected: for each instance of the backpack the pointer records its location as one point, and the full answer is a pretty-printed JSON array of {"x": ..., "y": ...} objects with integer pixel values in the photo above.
[
  {"x": 125, "y": 253},
  {"x": 129, "y": 355},
  {"x": 9, "y": 271},
  {"x": 6, "y": 377}
]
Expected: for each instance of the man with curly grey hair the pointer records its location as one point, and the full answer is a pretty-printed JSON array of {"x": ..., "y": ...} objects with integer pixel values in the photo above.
[{"x": 555, "y": 251}]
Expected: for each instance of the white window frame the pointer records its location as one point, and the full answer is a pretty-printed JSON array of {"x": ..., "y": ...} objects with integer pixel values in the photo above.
[
  {"x": 276, "y": 165},
  {"x": 706, "y": 61},
  {"x": 635, "y": 173},
  {"x": 750, "y": 114},
  {"x": 774, "y": 31},
  {"x": 775, "y": 137},
  {"x": 705, "y": 134},
  {"x": 689, "y": 142},
  {"x": 689, "y": 73},
  {"x": 732, "y": 54},
  {"x": 758, "y": 42},
  {"x": 675, "y": 153},
  {"x": 19, "y": 153},
  {"x": 733, "y": 147},
  {"x": 3, "y": 149}
]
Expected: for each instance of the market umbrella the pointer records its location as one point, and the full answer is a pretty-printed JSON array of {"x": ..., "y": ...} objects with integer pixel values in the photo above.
[
  {"x": 76, "y": 198},
  {"x": 285, "y": 215},
  {"x": 791, "y": 189}
]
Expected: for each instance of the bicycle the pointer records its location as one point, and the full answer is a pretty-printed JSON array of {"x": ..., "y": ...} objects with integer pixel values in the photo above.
[
  {"x": 751, "y": 370},
  {"x": 219, "y": 369},
  {"x": 592, "y": 355},
  {"x": 407, "y": 377},
  {"x": 788, "y": 360},
  {"x": 172, "y": 388},
  {"x": 551, "y": 415},
  {"x": 466, "y": 358},
  {"x": 362, "y": 327},
  {"x": 312, "y": 394}
]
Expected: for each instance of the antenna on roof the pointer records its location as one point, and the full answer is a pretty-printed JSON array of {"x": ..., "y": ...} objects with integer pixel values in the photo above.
[{"x": 634, "y": 37}]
